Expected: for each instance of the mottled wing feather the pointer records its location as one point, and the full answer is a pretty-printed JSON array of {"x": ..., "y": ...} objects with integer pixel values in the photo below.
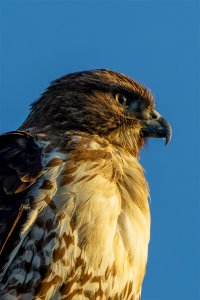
[{"x": 20, "y": 166}]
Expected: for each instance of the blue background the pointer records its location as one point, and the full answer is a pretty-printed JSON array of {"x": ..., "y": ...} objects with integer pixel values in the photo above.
[{"x": 155, "y": 42}]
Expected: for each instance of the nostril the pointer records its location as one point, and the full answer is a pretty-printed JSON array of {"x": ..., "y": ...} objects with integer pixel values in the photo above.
[{"x": 154, "y": 115}]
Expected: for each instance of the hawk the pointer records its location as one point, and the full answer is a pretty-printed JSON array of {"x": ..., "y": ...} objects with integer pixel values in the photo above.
[{"x": 74, "y": 211}]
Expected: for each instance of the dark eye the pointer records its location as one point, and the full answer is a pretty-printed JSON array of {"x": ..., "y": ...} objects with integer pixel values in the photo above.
[{"x": 121, "y": 99}]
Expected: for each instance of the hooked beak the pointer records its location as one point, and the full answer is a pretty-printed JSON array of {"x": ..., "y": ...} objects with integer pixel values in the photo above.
[{"x": 157, "y": 127}]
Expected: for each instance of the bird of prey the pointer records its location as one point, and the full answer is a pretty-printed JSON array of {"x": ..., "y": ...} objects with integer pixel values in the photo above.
[{"x": 74, "y": 211}]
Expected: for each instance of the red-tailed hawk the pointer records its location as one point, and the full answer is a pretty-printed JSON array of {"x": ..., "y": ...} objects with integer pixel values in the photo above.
[{"x": 74, "y": 211}]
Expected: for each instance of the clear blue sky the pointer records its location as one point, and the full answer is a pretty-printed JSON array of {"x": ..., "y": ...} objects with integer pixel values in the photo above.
[{"x": 155, "y": 42}]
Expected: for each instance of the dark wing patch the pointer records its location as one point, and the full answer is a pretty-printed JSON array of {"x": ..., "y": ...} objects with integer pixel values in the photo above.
[
  {"x": 20, "y": 166},
  {"x": 20, "y": 159}
]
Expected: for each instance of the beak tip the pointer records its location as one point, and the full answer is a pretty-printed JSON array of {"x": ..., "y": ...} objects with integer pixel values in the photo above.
[
  {"x": 166, "y": 142},
  {"x": 169, "y": 135}
]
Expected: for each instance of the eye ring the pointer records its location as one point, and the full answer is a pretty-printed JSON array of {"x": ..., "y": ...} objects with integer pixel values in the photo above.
[{"x": 121, "y": 99}]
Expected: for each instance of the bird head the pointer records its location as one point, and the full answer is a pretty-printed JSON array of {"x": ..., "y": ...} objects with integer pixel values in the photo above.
[{"x": 102, "y": 102}]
